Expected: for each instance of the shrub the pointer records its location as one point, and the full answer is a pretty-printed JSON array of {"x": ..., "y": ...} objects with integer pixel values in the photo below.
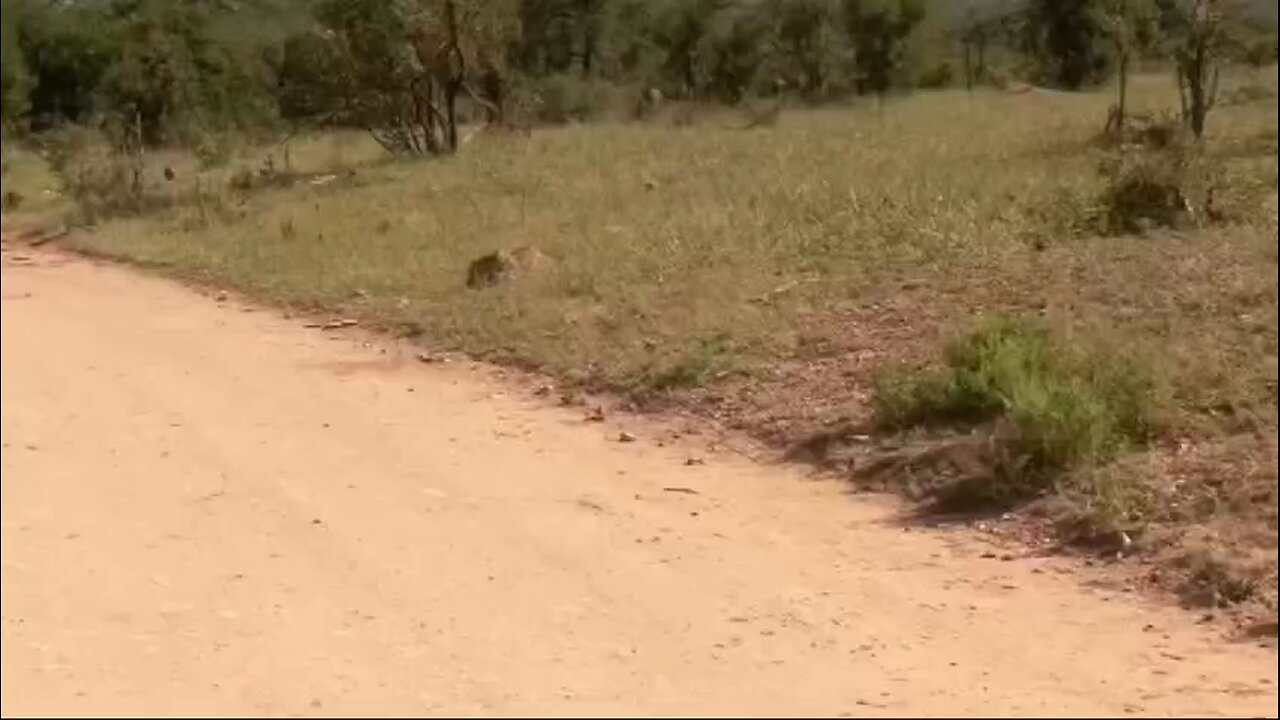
[
  {"x": 1057, "y": 408},
  {"x": 566, "y": 98},
  {"x": 941, "y": 75},
  {"x": 102, "y": 181},
  {"x": 1143, "y": 190},
  {"x": 1151, "y": 131},
  {"x": 981, "y": 372},
  {"x": 693, "y": 368}
]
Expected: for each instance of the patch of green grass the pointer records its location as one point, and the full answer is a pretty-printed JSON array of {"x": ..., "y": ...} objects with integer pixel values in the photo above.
[
  {"x": 30, "y": 186},
  {"x": 694, "y": 368},
  {"x": 1061, "y": 406}
]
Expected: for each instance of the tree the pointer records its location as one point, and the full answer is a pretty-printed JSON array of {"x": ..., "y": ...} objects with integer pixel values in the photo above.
[
  {"x": 808, "y": 48},
  {"x": 1199, "y": 36},
  {"x": 731, "y": 52},
  {"x": 171, "y": 80},
  {"x": 1130, "y": 26},
  {"x": 974, "y": 38},
  {"x": 547, "y": 34},
  {"x": 66, "y": 50},
  {"x": 151, "y": 63},
  {"x": 877, "y": 31},
  {"x": 1066, "y": 34},
  {"x": 15, "y": 79},
  {"x": 398, "y": 69},
  {"x": 628, "y": 50},
  {"x": 590, "y": 24},
  {"x": 679, "y": 27}
]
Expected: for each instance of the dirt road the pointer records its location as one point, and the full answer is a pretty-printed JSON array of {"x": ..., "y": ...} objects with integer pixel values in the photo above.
[{"x": 213, "y": 511}]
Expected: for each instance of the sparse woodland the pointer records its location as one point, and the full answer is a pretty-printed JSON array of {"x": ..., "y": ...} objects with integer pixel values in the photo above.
[{"x": 177, "y": 72}]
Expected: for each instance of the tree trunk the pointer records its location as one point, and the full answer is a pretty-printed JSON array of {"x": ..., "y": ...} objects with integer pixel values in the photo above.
[
  {"x": 491, "y": 91},
  {"x": 981, "y": 70},
  {"x": 455, "y": 77},
  {"x": 430, "y": 119},
  {"x": 588, "y": 36},
  {"x": 1122, "y": 94},
  {"x": 968, "y": 66},
  {"x": 1199, "y": 108}
]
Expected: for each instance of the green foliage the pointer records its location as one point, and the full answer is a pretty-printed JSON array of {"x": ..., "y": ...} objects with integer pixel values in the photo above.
[
  {"x": 1069, "y": 42},
  {"x": 67, "y": 49},
  {"x": 677, "y": 31},
  {"x": 567, "y": 97},
  {"x": 1059, "y": 406},
  {"x": 102, "y": 181},
  {"x": 397, "y": 70},
  {"x": 559, "y": 36},
  {"x": 726, "y": 49},
  {"x": 981, "y": 372},
  {"x": 694, "y": 368},
  {"x": 810, "y": 52},
  {"x": 1131, "y": 25},
  {"x": 1143, "y": 190},
  {"x": 730, "y": 53},
  {"x": 162, "y": 65},
  {"x": 1168, "y": 183},
  {"x": 171, "y": 78},
  {"x": 939, "y": 76},
  {"x": 15, "y": 78},
  {"x": 183, "y": 70},
  {"x": 877, "y": 31},
  {"x": 359, "y": 59},
  {"x": 358, "y": 69},
  {"x": 1201, "y": 36},
  {"x": 305, "y": 67}
]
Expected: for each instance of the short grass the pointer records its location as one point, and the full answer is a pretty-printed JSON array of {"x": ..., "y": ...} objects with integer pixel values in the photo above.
[{"x": 770, "y": 274}]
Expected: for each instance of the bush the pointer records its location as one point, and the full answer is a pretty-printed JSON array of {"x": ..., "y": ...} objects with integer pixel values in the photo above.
[
  {"x": 106, "y": 186},
  {"x": 705, "y": 359},
  {"x": 107, "y": 179},
  {"x": 981, "y": 372},
  {"x": 1170, "y": 187},
  {"x": 1150, "y": 131},
  {"x": 1143, "y": 191},
  {"x": 1056, "y": 408},
  {"x": 103, "y": 182},
  {"x": 245, "y": 179},
  {"x": 15, "y": 79},
  {"x": 559, "y": 99},
  {"x": 941, "y": 75}
]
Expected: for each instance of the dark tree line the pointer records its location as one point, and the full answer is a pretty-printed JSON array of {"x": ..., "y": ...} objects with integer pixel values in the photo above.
[{"x": 172, "y": 69}]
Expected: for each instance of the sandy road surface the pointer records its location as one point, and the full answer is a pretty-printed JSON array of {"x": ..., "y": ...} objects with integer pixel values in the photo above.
[{"x": 213, "y": 511}]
